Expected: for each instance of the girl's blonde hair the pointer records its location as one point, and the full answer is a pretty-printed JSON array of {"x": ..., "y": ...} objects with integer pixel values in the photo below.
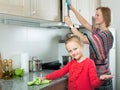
[{"x": 75, "y": 38}]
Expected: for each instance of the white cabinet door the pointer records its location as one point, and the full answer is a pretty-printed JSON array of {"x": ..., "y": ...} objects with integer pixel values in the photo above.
[
  {"x": 46, "y": 9},
  {"x": 86, "y": 8},
  {"x": 15, "y": 7},
  {"x": 93, "y": 5},
  {"x": 83, "y": 6},
  {"x": 41, "y": 9}
]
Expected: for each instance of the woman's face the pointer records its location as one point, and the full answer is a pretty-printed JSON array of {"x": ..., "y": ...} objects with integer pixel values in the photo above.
[
  {"x": 99, "y": 17},
  {"x": 74, "y": 49}
]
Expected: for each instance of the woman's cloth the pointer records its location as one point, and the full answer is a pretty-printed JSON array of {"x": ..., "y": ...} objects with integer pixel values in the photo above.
[
  {"x": 82, "y": 76},
  {"x": 107, "y": 85},
  {"x": 100, "y": 44}
]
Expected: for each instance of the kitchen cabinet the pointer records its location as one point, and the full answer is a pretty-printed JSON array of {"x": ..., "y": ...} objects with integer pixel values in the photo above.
[
  {"x": 86, "y": 8},
  {"x": 93, "y": 5},
  {"x": 49, "y": 10},
  {"x": 46, "y": 9},
  {"x": 15, "y": 7}
]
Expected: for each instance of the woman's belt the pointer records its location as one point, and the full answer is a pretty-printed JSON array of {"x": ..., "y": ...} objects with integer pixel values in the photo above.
[{"x": 100, "y": 64}]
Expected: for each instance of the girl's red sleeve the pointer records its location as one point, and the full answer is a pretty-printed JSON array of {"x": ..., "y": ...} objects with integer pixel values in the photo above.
[
  {"x": 94, "y": 79},
  {"x": 58, "y": 73}
]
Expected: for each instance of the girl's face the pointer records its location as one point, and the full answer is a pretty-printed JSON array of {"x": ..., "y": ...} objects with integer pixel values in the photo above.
[
  {"x": 99, "y": 17},
  {"x": 74, "y": 49}
]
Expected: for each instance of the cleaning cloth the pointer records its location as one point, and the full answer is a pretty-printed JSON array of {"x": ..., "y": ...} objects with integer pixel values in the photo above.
[{"x": 38, "y": 81}]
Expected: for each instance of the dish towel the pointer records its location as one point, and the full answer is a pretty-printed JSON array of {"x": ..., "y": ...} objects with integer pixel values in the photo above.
[{"x": 38, "y": 81}]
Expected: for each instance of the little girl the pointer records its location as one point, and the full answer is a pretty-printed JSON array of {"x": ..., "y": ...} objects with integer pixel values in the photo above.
[{"x": 81, "y": 69}]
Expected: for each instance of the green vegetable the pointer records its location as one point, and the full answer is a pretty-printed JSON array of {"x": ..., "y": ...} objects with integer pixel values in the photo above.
[{"x": 19, "y": 72}]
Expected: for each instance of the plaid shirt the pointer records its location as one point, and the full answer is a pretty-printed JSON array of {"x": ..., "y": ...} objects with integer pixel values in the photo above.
[{"x": 100, "y": 44}]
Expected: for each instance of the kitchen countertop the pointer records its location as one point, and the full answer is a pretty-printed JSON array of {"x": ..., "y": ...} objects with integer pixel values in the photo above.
[{"x": 21, "y": 83}]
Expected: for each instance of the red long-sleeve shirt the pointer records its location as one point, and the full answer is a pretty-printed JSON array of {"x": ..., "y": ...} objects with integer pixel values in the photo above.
[{"x": 82, "y": 76}]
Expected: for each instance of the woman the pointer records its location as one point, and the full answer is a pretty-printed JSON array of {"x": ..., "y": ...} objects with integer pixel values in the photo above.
[{"x": 100, "y": 41}]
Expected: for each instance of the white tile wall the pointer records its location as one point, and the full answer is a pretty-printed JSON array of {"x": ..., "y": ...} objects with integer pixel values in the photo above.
[{"x": 40, "y": 42}]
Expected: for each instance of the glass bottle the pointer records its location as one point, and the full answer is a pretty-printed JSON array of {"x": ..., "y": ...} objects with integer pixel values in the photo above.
[
  {"x": 10, "y": 68},
  {"x": 5, "y": 69}
]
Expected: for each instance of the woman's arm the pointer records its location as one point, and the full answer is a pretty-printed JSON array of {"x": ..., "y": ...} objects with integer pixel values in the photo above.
[
  {"x": 81, "y": 19},
  {"x": 75, "y": 31}
]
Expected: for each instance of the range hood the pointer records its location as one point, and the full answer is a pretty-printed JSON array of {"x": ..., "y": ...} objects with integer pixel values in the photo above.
[
  {"x": 26, "y": 21},
  {"x": 58, "y": 25},
  {"x": 54, "y": 25}
]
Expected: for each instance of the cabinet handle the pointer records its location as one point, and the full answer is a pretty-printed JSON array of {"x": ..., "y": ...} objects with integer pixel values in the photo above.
[
  {"x": 79, "y": 10},
  {"x": 33, "y": 12},
  {"x": 34, "y": 3}
]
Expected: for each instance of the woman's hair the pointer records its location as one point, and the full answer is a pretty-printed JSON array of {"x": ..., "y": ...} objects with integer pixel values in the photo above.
[
  {"x": 75, "y": 38},
  {"x": 106, "y": 12}
]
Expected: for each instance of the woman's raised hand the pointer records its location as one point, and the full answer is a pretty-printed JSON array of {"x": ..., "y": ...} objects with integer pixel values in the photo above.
[{"x": 68, "y": 21}]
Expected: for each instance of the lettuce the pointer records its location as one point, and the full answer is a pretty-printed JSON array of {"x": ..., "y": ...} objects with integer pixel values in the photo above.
[{"x": 19, "y": 72}]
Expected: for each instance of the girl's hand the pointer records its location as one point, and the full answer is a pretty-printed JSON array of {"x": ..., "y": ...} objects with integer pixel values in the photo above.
[
  {"x": 43, "y": 78},
  {"x": 106, "y": 77}
]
